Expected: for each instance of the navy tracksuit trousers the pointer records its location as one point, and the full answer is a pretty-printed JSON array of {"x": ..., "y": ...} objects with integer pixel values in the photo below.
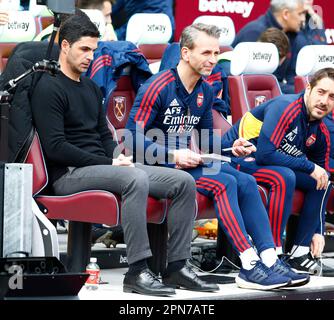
[
  {"x": 281, "y": 183},
  {"x": 238, "y": 205}
]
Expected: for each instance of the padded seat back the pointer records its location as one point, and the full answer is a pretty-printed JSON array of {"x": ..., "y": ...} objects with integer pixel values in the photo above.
[
  {"x": 311, "y": 59},
  {"x": 35, "y": 157},
  {"x": 120, "y": 104},
  {"x": 224, "y": 23},
  {"x": 252, "y": 81},
  {"x": 153, "y": 52},
  {"x": 6, "y": 49},
  {"x": 301, "y": 83},
  {"x": 149, "y": 28},
  {"x": 21, "y": 27},
  {"x": 96, "y": 16}
]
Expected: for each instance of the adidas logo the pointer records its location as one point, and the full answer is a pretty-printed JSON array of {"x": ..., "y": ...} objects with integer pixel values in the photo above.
[
  {"x": 174, "y": 103},
  {"x": 295, "y": 130}
]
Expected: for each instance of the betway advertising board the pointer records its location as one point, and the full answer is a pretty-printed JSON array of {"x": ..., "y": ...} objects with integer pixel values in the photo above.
[{"x": 241, "y": 12}]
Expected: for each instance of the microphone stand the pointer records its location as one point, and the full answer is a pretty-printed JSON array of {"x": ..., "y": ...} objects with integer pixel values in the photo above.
[{"x": 56, "y": 27}]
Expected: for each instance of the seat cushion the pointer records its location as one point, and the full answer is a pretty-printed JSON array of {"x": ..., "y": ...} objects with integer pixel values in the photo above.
[{"x": 88, "y": 206}]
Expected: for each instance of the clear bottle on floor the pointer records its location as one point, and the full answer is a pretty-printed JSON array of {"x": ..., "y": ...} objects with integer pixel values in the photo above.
[{"x": 93, "y": 269}]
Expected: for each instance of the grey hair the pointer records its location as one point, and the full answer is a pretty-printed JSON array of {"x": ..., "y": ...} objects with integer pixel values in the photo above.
[
  {"x": 189, "y": 34},
  {"x": 278, "y": 5}
]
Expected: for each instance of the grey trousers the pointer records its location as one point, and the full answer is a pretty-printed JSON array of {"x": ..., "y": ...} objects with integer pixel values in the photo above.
[{"x": 134, "y": 185}]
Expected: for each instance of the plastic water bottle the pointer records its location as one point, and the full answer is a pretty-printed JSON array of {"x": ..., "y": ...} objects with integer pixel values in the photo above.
[{"x": 92, "y": 283}]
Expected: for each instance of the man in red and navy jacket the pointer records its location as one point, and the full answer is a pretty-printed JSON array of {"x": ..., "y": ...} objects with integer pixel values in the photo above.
[
  {"x": 169, "y": 109},
  {"x": 293, "y": 146}
]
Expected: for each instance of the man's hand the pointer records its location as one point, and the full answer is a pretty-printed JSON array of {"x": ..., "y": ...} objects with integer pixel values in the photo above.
[
  {"x": 123, "y": 161},
  {"x": 317, "y": 245},
  {"x": 239, "y": 150},
  {"x": 321, "y": 176},
  {"x": 185, "y": 158}
]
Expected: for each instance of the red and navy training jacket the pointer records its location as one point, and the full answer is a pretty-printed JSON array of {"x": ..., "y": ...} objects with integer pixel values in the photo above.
[
  {"x": 283, "y": 134},
  {"x": 164, "y": 103}
]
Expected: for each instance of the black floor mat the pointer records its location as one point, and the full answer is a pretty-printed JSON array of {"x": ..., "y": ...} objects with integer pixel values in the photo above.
[{"x": 213, "y": 278}]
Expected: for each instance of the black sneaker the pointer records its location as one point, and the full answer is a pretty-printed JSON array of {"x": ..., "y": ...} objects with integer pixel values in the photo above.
[{"x": 309, "y": 264}]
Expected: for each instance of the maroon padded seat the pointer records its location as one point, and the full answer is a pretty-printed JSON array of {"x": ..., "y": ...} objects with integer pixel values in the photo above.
[
  {"x": 46, "y": 21},
  {"x": 153, "y": 52},
  {"x": 94, "y": 206},
  {"x": 6, "y": 49},
  {"x": 249, "y": 90},
  {"x": 330, "y": 203},
  {"x": 223, "y": 49},
  {"x": 119, "y": 105},
  {"x": 300, "y": 83}
]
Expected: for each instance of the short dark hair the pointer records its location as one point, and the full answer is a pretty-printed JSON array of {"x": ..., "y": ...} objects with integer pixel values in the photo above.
[
  {"x": 76, "y": 27},
  {"x": 321, "y": 74},
  {"x": 278, "y": 38},
  {"x": 190, "y": 33}
]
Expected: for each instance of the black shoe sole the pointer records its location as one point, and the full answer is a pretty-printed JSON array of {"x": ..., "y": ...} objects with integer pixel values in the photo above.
[
  {"x": 129, "y": 289},
  {"x": 176, "y": 286},
  {"x": 299, "y": 284}
]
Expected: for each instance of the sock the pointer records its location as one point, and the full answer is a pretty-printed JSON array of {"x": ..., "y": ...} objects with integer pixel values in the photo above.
[
  {"x": 248, "y": 257},
  {"x": 298, "y": 251},
  {"x": 175, "y": 266},
  {"x": 269, "y": 257},
  {"x": 136, "y": 267},
  {"x": 279, "y": 250}
]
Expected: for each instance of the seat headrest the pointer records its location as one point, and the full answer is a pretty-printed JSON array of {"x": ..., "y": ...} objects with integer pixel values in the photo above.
[
  {"x": 96, "y": 16},
  {"x": 312, "y": 58},
  {"x": 149, "y": 28},
  {"x": 10, "y": 5},
  {"x": 254, "y": 57},
  {"x": 20, "y": 27},
  {"x": 224, "y": 23}
]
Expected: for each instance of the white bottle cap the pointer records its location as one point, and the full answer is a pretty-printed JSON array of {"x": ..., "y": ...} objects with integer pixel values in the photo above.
[{"x": 92, "y": 259}]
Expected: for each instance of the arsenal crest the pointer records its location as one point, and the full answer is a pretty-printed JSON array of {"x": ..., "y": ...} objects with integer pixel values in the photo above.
[
  {"x": 200, "y": 99},
  {"x": 259, "y": 100},
  {"x": 119, "y": 108},
  {"x": 310, "y": 140}
]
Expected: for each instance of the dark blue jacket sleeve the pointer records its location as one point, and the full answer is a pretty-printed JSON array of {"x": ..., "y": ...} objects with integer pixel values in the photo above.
[
  {"x": 267, "y": 152},
  {"x": 250, "y": 33},
  {"x": 139, "y": 121}
]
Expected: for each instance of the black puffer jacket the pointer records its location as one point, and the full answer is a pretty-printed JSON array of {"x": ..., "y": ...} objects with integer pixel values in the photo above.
[{"x": 23, "y": 57}]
